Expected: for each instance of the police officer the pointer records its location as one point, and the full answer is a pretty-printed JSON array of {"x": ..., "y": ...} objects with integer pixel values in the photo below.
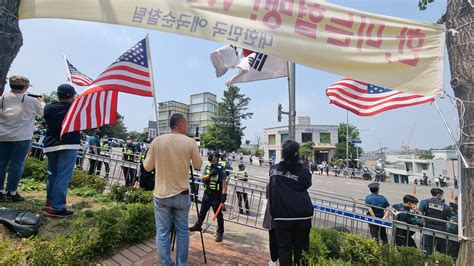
[
  {"x": 241, "y": 175},
  {"x": 407, "y": 212},
  {"x": 225, "y": 163},
  {"x": 128, "y": 154},
  {"x": 215, "y": 193},
  {"x": 435, "y": 208},
  {"x": 104, "y": 152},
  {"x": 376, "y": 205}
]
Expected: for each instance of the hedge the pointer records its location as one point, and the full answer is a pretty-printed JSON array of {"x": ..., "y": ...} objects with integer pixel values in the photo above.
[{"x": 330, "y": 247}]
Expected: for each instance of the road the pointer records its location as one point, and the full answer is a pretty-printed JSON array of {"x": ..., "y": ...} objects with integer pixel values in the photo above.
[{"x": 355, "y": 188}]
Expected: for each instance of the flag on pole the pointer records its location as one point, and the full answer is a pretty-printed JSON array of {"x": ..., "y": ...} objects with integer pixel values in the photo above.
[
  {"x": 365, "y": 99},
  {"x": 252, "y": 66},
  {"x": 75, "y": 76},
  {"x": 97, "y": 105}
]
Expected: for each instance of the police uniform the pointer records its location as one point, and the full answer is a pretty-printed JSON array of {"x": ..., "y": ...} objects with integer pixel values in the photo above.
[
  {"x": 104, "y": 152},
  {"x": 241, "y": 175},
  {"x": 435, "y": 208},
  {"x": 405, "y": 237},
  {"x": 212, "y": 196},
  {"x": 128, "y": 151},
  {"x": 378, "y": 203},
  {"x": 227, "y": 168}
]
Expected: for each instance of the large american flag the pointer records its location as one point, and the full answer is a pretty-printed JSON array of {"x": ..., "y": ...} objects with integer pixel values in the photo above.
[
  {"x": 97, "y": 105},
  {"x": 75, "y": 76},
  {"x": 365, "y": 99}
]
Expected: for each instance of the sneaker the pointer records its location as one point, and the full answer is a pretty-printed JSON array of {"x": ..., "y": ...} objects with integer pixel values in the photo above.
[
  {"x": 15, "y": 198},
  {"x": 62, "y": 213},
  {"x": 219, "y": 237},
  {"x": 195, "y": 228},
  {"x": 47, "y": 206},
  {"x": 272, "y": 263}
]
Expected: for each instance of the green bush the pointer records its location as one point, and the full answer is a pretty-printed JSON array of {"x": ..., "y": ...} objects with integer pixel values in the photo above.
[
  {"x": 81, "y": 179},
  {"x": 35, "y": 169},
  {"x": 138, "y": 223},
  {"x": 359, "y": 250},
  {"x": 85, "y": 192},
  {"x": 139, "y": 196},
  {"x": 409, "y": 256},
  {"x": 317, "y": 248},
  {"x": 117, "y": 192},
  {"x": 332, "y": 239},
  {"x": 439, "y": 259},
  {"x": 32, "y": 185}
]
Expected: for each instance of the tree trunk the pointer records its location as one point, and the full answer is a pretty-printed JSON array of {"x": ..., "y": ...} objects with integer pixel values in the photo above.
[
  {"x": 10, "y": 37},
  {"x": 459, "y": 16}
]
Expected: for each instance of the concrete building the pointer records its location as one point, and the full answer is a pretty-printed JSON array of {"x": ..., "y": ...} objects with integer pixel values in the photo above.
[
  {"x": 202, "y": 107},
  {"x": 409, "y": 167},
  {"x": 151, "y": 130},
  {"x": 199, "y": 112},
  {"x": 325, "y": 138}
]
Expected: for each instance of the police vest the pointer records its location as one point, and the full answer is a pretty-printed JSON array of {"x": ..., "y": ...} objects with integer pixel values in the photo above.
[
  {"x": 104, "y": 146},
  {"x": 241, "y": 175},
  {"x": 225, "y": 165},
  {"x": 435, "y": 210},
  {"x": 213, "y": 183},
  {"x": 127, "y": 153}
]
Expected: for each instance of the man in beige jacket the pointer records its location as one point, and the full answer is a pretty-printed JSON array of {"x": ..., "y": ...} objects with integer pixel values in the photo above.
[{"x": 170, "y": 155}]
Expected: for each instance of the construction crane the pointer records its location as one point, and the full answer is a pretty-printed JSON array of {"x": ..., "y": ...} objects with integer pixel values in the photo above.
[{"x": 406, "y": 146}]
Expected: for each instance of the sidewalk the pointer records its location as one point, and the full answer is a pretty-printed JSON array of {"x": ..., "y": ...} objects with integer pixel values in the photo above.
[{"x": 242, "y": 245}]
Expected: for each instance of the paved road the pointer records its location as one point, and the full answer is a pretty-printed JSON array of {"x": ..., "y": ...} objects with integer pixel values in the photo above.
[{"x": 355, "y": 188}]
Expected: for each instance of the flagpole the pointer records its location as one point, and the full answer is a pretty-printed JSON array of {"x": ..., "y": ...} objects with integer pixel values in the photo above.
[
  {"x": 67, "y": 69},
  {"x": 152, "y": 80}
]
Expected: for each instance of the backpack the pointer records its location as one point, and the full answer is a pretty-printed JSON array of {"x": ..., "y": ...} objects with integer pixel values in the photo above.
[{"x": 23, "y": 223}]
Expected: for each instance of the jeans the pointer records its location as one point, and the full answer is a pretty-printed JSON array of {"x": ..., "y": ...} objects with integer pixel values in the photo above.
[
  {"x": 293, "y": 239},
  {"x": 12, "y": 155},
  {"x": 378, "y": 233},
  {"x": 174, "y": 209},
  {"x": 60, "y": 169}
]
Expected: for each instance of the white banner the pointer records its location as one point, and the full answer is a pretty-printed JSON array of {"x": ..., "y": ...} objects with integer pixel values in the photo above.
[{"x": 392, "y": 52}]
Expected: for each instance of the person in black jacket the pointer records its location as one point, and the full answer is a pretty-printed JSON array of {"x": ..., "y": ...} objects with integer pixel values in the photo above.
[
  {"x": 290, "y": 204},
  {"x": 61, "y": 152},
  {"x": 407, "y": 212}
]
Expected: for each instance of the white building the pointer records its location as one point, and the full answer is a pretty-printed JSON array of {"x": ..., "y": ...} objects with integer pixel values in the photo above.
[
  {"x": 402, "y": 167},
  {"x": 325, "y": 138}
]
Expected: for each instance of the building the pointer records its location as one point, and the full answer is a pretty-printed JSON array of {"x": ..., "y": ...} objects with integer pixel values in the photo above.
[
  {"x": 199, "y": 112},
  {"x": 151, "y": 130},
  {"x": 325, "y": 138},
  {"x": 202, "y": 107},
  {"x": 409, "y": 167},
  {"x": 166, "y": 110}
]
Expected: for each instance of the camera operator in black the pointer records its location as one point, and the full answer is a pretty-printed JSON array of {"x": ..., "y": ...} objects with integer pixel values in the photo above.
[
  {"x": 407, "y": 212},
  {"x": 215, "y": 185}
]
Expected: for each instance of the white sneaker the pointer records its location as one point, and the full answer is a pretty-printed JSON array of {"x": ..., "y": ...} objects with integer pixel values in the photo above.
[{"x": 272, "y": 263}]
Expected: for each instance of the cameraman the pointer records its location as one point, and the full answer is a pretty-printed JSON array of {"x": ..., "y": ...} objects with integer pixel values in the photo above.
[{"x": 17, "y": 119}]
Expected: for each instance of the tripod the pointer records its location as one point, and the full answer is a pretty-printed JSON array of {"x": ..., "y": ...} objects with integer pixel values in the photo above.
[{"x": 173, "y": 232}]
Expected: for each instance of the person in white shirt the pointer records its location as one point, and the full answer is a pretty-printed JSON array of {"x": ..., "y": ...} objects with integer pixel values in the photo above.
[{"x": 17, "y": 119}]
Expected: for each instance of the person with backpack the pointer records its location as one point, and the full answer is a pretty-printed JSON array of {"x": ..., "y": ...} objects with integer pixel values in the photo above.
[{"x": 290, "y": 204}]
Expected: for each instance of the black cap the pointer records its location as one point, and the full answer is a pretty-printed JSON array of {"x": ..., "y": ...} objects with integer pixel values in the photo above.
[
  {"x": 66, "y": 90},
  {"x": 374, "y": 185}
]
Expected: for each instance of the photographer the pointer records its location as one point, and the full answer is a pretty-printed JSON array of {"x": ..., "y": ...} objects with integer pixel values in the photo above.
[
  {"x": 61, "y": 152},
  {"x": 407, "y": 212},
  {"x": 17, "y": 119}
]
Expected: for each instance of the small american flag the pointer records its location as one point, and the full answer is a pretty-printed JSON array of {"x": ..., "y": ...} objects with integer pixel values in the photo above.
[
  {"x": 75, "y": 76},
  {"x": 365, "y": 99},
  {"x": 97, "y": 105}
]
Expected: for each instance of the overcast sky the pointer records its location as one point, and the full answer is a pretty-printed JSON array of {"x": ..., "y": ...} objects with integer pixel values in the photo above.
[{"x": 182, "y": 67}]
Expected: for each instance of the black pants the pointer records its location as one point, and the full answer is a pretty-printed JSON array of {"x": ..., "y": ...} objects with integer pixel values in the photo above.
[
  {"x": 293, "y": 239},
  {"x": 195, "y": 191},
  {"x": 243, "y": 196},
  {"x": 453, "y": 249},
  {"x": 107, "y": 167},
  {"x": 211, "y": 199},
  {"x": 92, "y": 166},
  {"x": 404, "y": 238},
  {"x": 130, "y": 175},
  {"x": 273, "y": 245},
  {"x": 431, "y": 244},
  {"x": 378, "y": 233}
]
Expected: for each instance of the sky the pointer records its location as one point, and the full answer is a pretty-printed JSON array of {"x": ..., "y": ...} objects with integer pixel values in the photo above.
[{"x": 182, "y": 67}]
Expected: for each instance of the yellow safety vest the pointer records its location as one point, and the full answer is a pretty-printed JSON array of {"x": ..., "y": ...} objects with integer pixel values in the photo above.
[
  {"x": 127, "y": 152},
  {"x": 241, "y": 175},
  {"x": 212, "y": 184}
]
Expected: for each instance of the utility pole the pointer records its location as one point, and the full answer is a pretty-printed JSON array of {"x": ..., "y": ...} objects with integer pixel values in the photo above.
[
  {"x": 347, "y": 138},
  {"x": 292, "y": 101}
]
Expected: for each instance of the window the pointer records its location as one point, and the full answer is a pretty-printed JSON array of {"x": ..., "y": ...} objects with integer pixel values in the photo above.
[
  {"x": 271, "y": 154},
  {"x": 284, "y": 137},
  {"x": 305, "y": 137},
  {"x": 325, "y": 138},
  {"x": 271, "y": 139}
]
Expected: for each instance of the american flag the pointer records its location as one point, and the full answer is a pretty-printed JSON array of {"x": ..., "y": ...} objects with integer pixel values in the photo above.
[
  {"x": 75, "y": 76},
  {"x": 365, "y": 99},
  {"x": 97, "y": 105}
]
